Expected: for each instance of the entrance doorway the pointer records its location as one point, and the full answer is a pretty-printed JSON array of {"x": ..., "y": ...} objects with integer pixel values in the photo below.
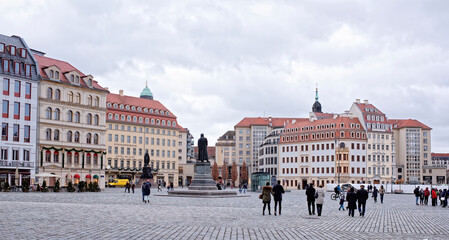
[{"x": 304, "y": 184}]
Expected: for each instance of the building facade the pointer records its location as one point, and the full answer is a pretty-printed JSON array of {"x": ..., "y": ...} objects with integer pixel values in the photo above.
[
  {"x": 268, "y": 153},
  {"x": 380, "y": 146},
  {"x": 412, "y": 140},
  {"x": 322, "y": 151},
  {"x": 135, "y": 126},
  {"x": 19, "y": 76},
  {"x": 72, "y": 124}
]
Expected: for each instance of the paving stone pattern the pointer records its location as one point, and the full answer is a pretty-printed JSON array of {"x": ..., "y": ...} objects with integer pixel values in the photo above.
[{"x": 113, "y": 214}]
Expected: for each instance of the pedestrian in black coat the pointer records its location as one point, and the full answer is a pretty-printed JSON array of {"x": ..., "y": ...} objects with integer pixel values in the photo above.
[
  {"x": 351, "y": 197},
  {"x": 310, "y": 192},
  {"x": 362, "y": 196},
  {"x": 375, "y": 191},
  {"x": 277, "y": 192}
]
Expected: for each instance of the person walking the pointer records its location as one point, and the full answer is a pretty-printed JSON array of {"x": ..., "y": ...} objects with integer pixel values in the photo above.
[
  {"x": 319, "y": 199},
  {"x": 277, "y": 192},
  {"x": 416, "y": 192},
  {"x": 126, "y": 186},
  {"x": 375, "y": 191},
  {"x": 244, "y": 188},
  {"x": 445, "y": 198},
  {"x": 266, "y": 198},
  {"x": 426, "y": 196},
  {"x": 421, "y": 197},
  {"x": 382, "y": 192},
  {"x": 133, "y": 186},
  {"x": 310, "y": 192},
  {"x": 351, "y": 197},
  {"x": 146, "y": 190},
  {"x": 171, "y": 186},
  {"x": 362, "y": 196},
  {"x": 342, "y": 201},
  {"x": 159, "y": 188},
  {"x": 442, "y": 197}
]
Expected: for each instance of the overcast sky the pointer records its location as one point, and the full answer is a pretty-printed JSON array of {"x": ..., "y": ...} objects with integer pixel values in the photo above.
[{"x": 213, "y": 63}]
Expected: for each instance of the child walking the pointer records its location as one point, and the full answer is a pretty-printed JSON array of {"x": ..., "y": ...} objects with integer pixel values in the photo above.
[{"x": 342, "y": 201}]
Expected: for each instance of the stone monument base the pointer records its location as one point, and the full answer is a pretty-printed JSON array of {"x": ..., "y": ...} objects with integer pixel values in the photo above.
[{"x": 203, "y": 185}]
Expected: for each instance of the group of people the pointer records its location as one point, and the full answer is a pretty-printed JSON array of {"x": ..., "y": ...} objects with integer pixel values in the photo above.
[
  {"x": 277, "y": 192},
  {"x": 435, "y": 195},
  {"x": 129, "y": 186}
]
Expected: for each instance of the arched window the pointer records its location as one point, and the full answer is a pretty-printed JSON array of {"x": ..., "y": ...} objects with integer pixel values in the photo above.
[
  {"x": 77, "y": 137},
  {"x": 72, "y": 78},
  {"x": 57, "y": 114},
  {"x": 89, "y": 119},
  {"x": 52, "y": 74},
  {"x": 151, "y": 110},
  {"x": 48, "y": 134},
  {"x": 152, "y": 121},
  {"x": 128, "y": 118},
  {"x": 168, "y": 123},
  {"x": 77, "y": 117},
  {"x": 115, "y": 105},
  {"x": 140, "y": 119},
  {"x": 174, "y": 124},
  {"x": 56, "y": 157},
  {"x": 163, "y": 122},
  {"x": 156, "y": 111},
  {"x": 96, "y": 120},
  {"x": 70, "y": 116},
  {"x": 69, "y": 136},
  {"x": 110, "y": 116},
  {"x": 89, "y": 100},
  {"x": 116, "y": 117},
  {"x": 78, "y": 98},
  {"x": 56, "y": 75},
  {"x": 70, "y": 97},
  {"x": 122, "y": 117},
  {"x": 89, "y": 138},
  {"x": 158, "y": 122},
  {"x": 97, "y": 102},
  {"x": 49, "y": 113},
  {"x": 342, "y": 134},
  {"x": 56, "y": 135},
  {"x": 147, "y": 120},
  {"x": 58, "y": 94},
  {"x": 49, "y": 93},
  {"x": 96, "y": 139},
  {"x": 77, "y": 79},
  {"x": 134, "y": 119}
]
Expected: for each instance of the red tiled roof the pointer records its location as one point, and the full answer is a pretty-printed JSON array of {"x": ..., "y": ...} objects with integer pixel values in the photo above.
[
  {"x": 297, "y": 128},
  {"x": 440, "y": 154},
  {"x": 210, "y": 151},
  {"x": 402, "y": 123},
  {"x": 323, "y": 115},
  {"x": 137, "y": 102},
  {"x": 265, "y": 121},
  {"x": 363, "y": 107},
  {"x": 45, "y": 62}
]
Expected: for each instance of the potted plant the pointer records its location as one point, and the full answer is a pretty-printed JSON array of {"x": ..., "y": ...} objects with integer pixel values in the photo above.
[{"x": 25, "y": 185}]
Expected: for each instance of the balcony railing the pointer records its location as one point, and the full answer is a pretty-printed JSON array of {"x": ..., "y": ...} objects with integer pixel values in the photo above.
[{"x": 6, "y": 163}]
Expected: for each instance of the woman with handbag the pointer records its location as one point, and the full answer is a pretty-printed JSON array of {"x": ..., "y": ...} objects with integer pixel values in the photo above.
[{"x": 266, "y": 198}]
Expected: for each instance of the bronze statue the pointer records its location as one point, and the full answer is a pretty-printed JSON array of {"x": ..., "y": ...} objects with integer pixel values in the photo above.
[
  {"x": 202, "y": 149},
  {"x": 146, "y": 171}
]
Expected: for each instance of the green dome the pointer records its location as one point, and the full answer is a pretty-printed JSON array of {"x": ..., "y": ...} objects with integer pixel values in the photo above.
[{"x": 146, "y": 93}]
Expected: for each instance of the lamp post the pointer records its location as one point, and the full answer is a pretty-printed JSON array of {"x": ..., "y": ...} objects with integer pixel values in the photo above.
[{"x": 338, "y": 160}]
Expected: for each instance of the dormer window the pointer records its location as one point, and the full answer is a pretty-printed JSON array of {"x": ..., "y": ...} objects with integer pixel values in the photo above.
[
  {"x": 127, "y": 107},
  {"x": 139, "y": 109},
  {"x": 145, "y": 109},
  {"x": 2, "y": 47},
  {"x": 72, "y": 78},
  {"x": 151, "y": 110},
  {"x": 156, "y": 111},
  {"x": 121, "y": 106},
  {"x": 17, "y": 67},
  {"x": 167, "y": 113},
  {"x": 77, "y": 79},
  {"x": 23, "y": 52},
  {"x": 5, "y": 65},
  {"x": 52, "y": 74},
  {"x": 12, "y": 50},
  {"x": 115, "y": 105},
  {"x": 108, "y": 104},
  {"x": 89, "y": 82},
  {"x": 133, "y": 108}
]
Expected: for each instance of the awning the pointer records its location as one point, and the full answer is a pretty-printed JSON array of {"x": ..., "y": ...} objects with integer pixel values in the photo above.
[
  {"x": 76, "y": 176},
  {"x": 46, "y": 175},
  {"x": 96, "y": 176},
  {"x": 88, "y": 176}
]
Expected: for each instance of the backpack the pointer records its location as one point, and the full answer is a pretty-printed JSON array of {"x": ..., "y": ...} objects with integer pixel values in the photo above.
[{"x": 146, "y": 187}]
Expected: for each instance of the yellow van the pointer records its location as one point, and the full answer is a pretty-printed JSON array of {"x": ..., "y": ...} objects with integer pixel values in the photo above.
[{"x": 118, "y": 183}]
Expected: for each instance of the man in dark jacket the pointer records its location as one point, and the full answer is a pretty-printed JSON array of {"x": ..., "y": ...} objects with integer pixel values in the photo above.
[
  {"x": 310, "y": 192},
  {"x": 417, "y": 194},
  {"x": 277, "y": 192},
  {"x": 362, "y": 196}
]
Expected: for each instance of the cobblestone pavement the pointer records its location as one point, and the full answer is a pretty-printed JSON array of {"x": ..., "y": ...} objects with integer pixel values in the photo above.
[{"x": 113, "y": 214}]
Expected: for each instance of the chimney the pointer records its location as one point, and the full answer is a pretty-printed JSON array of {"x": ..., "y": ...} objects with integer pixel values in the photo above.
[
  {"x": 357, "y": 100},
  {"x": 120, "y": 92},
  {"x": 365, "y": 102}
]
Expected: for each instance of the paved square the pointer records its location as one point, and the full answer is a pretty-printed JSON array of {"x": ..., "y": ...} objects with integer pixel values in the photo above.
[{"x": 113, "y": 214}]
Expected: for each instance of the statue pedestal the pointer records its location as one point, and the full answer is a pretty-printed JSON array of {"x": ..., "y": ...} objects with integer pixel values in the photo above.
[
  {"x": 203, "y": 185},
  {"x": 203, "y": 178}
]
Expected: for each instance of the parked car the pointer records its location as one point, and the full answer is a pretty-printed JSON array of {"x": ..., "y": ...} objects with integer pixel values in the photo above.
[
  {"x": 344, "y": 187},
  {"x": 118, "y": 183}
]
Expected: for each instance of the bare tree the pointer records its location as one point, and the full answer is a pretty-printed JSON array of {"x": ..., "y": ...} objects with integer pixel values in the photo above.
[
  {"x": 234, "y": 173},
  {"x": 244, "y": 174},
  {"x": 224, "y": 172},
  {"x": 215, "y": 171}
]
